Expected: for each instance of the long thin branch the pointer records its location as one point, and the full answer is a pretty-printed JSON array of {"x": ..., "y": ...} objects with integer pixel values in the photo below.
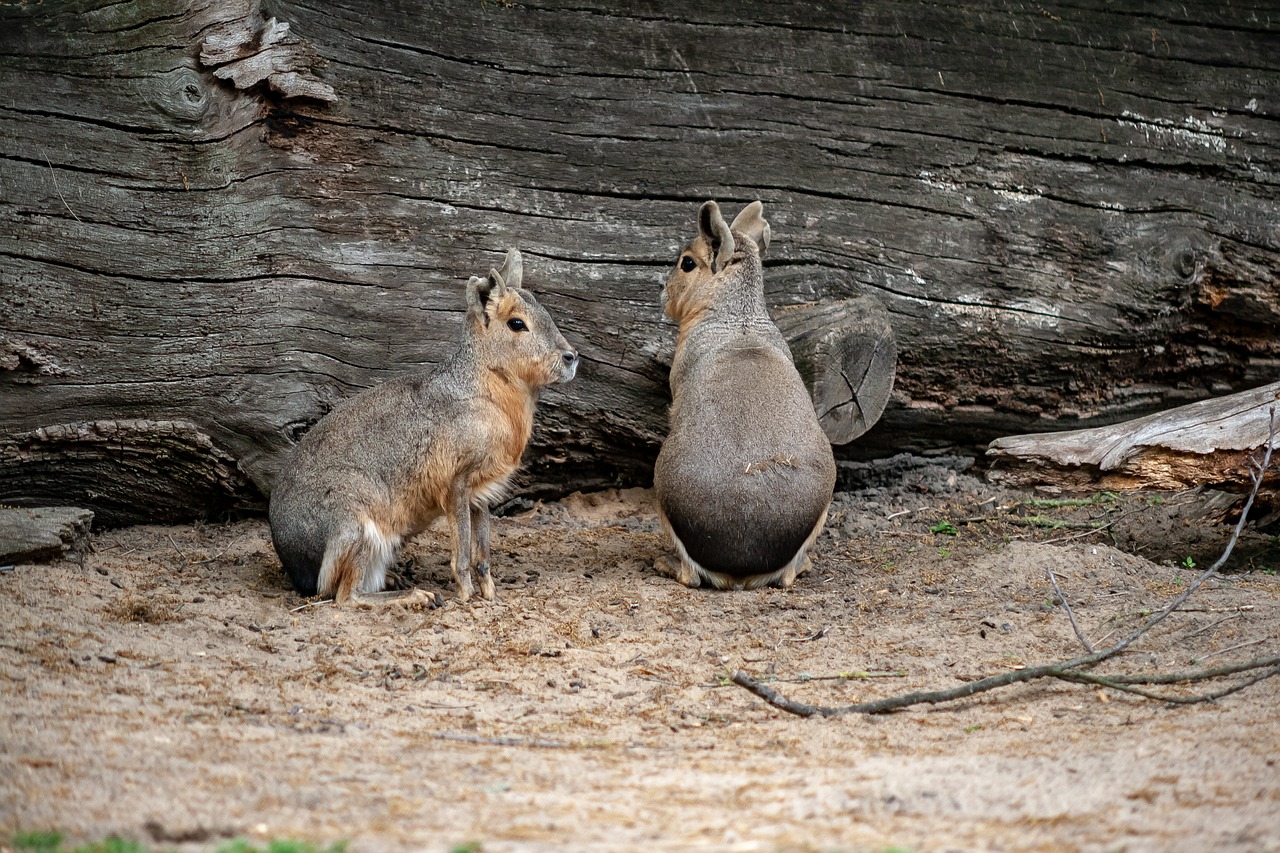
[
  {"x": 1197, "y": 675},
  {"x": 1126, "y": 685},
  {"x": 1123, "y": 683},
  {"x": 1065, "y": 670},
  {"x": 1075, "y": 626},
  {"x": 929, "y": 697}
]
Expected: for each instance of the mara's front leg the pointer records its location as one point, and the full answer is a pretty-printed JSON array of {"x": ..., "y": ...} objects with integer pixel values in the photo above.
[
  {"x": 480, "y": 529},
  {"x": 460, "y": 531}
]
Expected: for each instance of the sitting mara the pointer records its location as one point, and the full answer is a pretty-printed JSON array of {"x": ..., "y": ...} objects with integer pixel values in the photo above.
[
  {"x": 745, "y": 476},
  {"x": 384, "y": 464}
]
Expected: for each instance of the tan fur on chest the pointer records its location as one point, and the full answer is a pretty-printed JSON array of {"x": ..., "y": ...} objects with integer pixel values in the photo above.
[
  {"x": 487, "y": 461},
  {"x": 514, "y": 402}
]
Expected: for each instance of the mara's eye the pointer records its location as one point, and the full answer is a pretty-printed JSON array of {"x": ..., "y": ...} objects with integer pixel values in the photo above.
[
  {"x": 515, "y": 324},
  {"x": 688, "y": 264}
]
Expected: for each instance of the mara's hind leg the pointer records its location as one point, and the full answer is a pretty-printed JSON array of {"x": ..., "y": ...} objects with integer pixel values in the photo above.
[
  {"x": 678, "y": 569},
  {"x": 682, "y": 568},
  {"x": 480, "y": 531},
  {"x": 356, "y": 560},
  {"x": 801, "y": 563},
  {"x": 793, "y": 570}
]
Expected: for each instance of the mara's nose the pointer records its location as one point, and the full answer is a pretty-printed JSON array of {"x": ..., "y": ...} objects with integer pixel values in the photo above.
[{"x": 570, "y": 368}]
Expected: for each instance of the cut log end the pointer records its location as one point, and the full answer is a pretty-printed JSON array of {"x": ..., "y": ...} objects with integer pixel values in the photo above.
[{"x": 847, "y": 353}]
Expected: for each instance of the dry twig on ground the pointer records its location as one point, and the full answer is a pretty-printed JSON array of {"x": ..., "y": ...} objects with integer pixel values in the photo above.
[{"x": 1071, "y": 670}]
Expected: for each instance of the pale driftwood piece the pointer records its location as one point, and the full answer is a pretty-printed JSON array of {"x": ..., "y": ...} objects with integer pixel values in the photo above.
[
  {"x": 1203, "y": 443},
  {"x": 847, "y": 354},
  {"x": 1054, "y": 250},
  {"x": 39, "y": 535}
]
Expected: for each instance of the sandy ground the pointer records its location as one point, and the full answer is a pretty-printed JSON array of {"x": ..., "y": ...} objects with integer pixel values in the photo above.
[{"x": 170, "y": 689}]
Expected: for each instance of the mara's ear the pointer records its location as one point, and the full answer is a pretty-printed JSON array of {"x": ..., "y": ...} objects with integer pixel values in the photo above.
[
  {"x": 496, "y": 290},
  {"x": 715, "y": 230},
  {"x": 479, "y": 290},
  {"x": 484, "y": 292},
  {"x": 512, "y": 271},
  {"x": 752, "y": 223}
]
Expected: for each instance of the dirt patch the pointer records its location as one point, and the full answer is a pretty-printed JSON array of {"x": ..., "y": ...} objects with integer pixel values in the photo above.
[{"x": 170, "y": 689}]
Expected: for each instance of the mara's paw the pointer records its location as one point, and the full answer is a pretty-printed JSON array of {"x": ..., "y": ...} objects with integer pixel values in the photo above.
[
  {"x": 465, "y": 589},
  {"x": 680, "y": 570},
  {"x": 793, "y": 571},
  {"x": 418, "y": 600},
  {"x": 487, "y": 590}
]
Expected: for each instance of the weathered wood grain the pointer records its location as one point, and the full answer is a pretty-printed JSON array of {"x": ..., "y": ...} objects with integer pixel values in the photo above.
[
  {"x": 847, "y": 355},
  {"x": 1069, "y": 211}
]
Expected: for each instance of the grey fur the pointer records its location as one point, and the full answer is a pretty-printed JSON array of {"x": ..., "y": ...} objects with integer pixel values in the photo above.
[
  {"x": 745, "y": 476},
  {"x": 434, "y": 443}
]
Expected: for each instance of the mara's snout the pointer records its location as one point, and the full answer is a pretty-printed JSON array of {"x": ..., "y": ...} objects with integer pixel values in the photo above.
[{"x": 567, "y": 367}]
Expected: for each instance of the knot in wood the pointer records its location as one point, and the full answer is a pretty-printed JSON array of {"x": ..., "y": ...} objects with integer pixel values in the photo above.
[
  {"x": 1187, "y": 263},
  {"x": 184, "y": 95}
]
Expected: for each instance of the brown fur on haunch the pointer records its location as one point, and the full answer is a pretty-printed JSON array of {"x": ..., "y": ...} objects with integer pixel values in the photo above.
[
  {"x": 745, "y": 476},
  {"x": 383, "y": 465}
]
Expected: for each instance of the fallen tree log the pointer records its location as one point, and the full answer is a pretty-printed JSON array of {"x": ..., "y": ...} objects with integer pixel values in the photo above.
[
  {"x": 230, "y": 220},
  {"x": 1207, "y": 443}
]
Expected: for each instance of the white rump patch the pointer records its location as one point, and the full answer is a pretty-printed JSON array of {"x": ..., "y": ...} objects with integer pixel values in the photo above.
[
  {"x": 493, "y": 492},
  {"x": 380, "y": 550}
]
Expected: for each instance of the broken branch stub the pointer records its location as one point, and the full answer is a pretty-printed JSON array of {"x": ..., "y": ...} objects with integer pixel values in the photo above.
[{"x": 44, "y": 533}]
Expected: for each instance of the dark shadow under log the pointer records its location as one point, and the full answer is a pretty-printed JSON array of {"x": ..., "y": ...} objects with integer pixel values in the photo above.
[{"x": 128, "y": 471}]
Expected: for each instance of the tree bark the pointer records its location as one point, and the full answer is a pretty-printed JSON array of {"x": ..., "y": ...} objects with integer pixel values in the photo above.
[{"x": 221, "y": 226}]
